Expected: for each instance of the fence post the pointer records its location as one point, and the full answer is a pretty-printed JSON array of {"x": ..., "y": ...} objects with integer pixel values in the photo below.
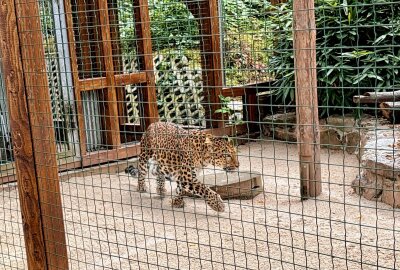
[
  {"x": 308, "y": 136},
  {"x": 32, "y": 134}
]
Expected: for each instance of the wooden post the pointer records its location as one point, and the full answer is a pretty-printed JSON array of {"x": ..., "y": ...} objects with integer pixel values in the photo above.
[
  {"x": 210, "y": 50},
  {"x": 22, "y": 139},
  {"x": 145, "y": 57},
  {"x": 111, "y": 120},
  {"x": 33, "y": 134},
  {"x": 308, "y": 136}
]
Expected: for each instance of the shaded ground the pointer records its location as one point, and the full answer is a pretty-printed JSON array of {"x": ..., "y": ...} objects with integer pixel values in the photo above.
[{"x": 111, "y": 226}]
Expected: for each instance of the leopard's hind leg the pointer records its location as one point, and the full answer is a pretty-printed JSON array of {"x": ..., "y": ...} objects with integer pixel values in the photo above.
[
  {"x": 142, "y": 172},
  {"x": 188, "y": 183},
  {"x": 161, "y": 190}
]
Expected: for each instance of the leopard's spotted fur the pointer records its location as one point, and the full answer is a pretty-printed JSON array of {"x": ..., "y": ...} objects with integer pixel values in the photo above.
[{"x": 178, "y": 153}]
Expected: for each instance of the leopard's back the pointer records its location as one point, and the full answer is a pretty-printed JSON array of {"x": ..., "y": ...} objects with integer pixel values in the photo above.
[{"x": 171, "y": 144}]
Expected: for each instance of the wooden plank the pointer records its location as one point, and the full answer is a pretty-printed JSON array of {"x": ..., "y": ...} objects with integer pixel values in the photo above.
[
  {"x": 117, "y": 59},
  {"x": 306, "y": 97},
  {"x": 43, "y": 137},
  {"x": 75, "y": 77},
  {"x": 92, "y": 84},
  {"x": 210, "y": 51},
  {"x": 22, "y": 140},
  {"x": 228, "y": 130},
  {"x": 377, "y": 97},
  {"x": 120, "y": 80},
  {"x": 145, "y": 57},
  {"x": 99, "y": 157},
  {"x": 131, "y": 78},
  {"x": 112, "y": 134},
  {"x": 84, "y": 35},
  {"x": 233, "y": 91}
]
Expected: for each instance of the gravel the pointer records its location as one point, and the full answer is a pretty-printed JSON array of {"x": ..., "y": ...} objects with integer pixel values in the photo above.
[{"x": 111, "y": 226}]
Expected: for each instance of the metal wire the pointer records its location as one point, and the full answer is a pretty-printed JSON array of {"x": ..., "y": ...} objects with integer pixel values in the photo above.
[{"x": 104, "y": 81}]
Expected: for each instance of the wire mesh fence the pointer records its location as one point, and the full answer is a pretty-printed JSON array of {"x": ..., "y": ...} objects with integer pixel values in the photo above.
[{"x": 196, "y": 134}]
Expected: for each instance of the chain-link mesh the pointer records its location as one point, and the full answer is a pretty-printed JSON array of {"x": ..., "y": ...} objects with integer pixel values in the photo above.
[{"x": 182, "y": 139}]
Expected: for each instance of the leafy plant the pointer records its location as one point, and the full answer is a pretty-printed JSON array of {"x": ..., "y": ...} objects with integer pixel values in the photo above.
[
  {"x": 172, "y": 25},
  {"x": 227, "y": 110},
  {"x": 356, "y": 50},
  {"x": 245, "y": 40}
]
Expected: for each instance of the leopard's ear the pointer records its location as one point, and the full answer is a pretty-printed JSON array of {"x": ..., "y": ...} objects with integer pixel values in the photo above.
[{"x": 208, "y": 140}]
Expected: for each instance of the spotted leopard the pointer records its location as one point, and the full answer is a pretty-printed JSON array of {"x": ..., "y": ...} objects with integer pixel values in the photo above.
[{"x": 177, "y": 154}]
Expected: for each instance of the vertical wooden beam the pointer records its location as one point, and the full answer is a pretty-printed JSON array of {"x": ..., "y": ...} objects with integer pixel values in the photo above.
[
  {"x": 145, "y": 56},
  {"x": 117, "y": 58},
  {"x": 210, "y": 51},
  {"x": 110, "y": 98},
  {"x": 308, "y": 135},
  {"x": 42, "y": 130},
  {"x": 75, "y": 75},
  {"x": 21, "y": 137}
]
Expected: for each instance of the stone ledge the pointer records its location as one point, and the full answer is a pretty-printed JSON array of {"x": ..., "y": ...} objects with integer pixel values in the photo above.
[{"x": 380, "y": 162}]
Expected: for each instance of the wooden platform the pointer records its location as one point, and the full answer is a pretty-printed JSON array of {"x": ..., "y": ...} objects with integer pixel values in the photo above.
[{"x": 235, "y": 185}]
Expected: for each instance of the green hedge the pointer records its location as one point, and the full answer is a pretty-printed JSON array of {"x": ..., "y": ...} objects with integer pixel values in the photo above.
[{"x": 357, "y": 50}]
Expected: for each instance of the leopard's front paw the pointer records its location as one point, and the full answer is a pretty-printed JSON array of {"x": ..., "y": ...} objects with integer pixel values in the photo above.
[
  {"x": 177, "y": 202},
  {"x": 161, "y": 191},
  {"x": 216, "y": 203}
]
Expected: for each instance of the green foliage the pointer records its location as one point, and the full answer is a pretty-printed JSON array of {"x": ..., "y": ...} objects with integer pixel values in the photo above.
[
  {"x": 356, "y": 50},
  {"x": 172, "y": 25},
  {"x": 227, "y": 110},
  {"x": 245, "y": 41}
]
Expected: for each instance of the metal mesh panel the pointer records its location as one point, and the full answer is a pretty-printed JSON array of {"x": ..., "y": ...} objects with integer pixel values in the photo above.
[
  {"x": 179, "y": 90},
  {"x": 276, "y": 146}
]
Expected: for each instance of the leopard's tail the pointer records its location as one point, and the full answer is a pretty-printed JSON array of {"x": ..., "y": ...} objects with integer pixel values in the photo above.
[{"x": 132, "y": 170}]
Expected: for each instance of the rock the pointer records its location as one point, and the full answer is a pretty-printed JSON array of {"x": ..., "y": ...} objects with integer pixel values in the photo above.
[
  {"x": 381, "y": 155},
  {"x": 344, "y": 123},
  {"x": 281, "y": 118},
  {"x": 352, "y": 141},
  {"x": 331, "y": 137},
  {"x": 280, "y": 126},
  {"x": 359, "y": 183},
  {"x": 285, "y": 134},
  {"x": 391, "y": 194},
  {"x": 371, "y": 190},
  {"x": 380, "y": 160}
]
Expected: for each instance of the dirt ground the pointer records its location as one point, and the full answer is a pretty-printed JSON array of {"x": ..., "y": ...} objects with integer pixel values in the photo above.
[{"x": 111, "y": 226}]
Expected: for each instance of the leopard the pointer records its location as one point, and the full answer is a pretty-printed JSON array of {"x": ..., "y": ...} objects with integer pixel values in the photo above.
[{"x": 177, "y": 154}]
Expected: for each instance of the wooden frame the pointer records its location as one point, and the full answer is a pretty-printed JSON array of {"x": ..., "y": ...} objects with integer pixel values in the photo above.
[
  {"x": 211, "y": 55},
  {"x": 34, "y": 146},
  {"x": 113, "y": 80}
]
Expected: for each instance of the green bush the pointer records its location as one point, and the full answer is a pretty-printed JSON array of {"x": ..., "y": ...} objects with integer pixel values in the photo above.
[
  {"x": 357, "y": 50},
  {"x": 245, "y": 40},
  {"x": 172, "y": 25}
]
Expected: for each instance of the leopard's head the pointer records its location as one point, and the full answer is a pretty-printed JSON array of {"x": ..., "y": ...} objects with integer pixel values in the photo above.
[{"x": 222, "y": 153}]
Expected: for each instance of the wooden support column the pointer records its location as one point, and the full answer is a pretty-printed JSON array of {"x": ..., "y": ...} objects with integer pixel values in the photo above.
[
  {"x": 111, "y": 121},
  {"x": 32, "y": 134},
  {"x": 145, "y": 56},
  {"x": 308, "y": 136},
  {"x": 210, "y": 51},
  {"x": 22, "y": 139}
]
